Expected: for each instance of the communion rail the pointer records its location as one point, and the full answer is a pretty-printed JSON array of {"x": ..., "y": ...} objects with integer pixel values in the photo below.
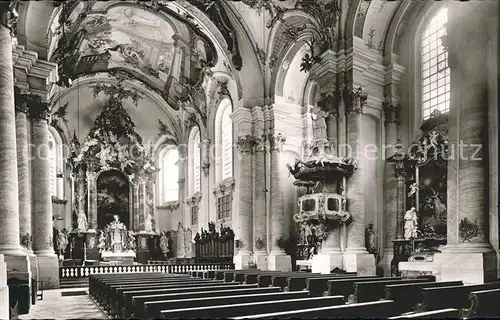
[{"x": 83, "y": 272}]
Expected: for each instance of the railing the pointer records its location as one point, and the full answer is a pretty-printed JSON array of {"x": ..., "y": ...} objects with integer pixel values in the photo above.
[{"x": 82, "y": 272}]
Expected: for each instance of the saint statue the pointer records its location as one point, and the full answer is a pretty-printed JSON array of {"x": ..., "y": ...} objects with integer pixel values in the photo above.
[
  {"x": 411, "y": 221},
  {"x": 312, "y": 243},
  {"x": 102, "y": 241},
  {"x": 131, "y": 240},
  {"x": 319, "y": 123},
  {"x": 82, "y": 221},
  {"x": 148, "y": 224}
]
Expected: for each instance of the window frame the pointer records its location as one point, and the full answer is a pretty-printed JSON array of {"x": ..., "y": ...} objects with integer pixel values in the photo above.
[{"x": 162, "y": 183}]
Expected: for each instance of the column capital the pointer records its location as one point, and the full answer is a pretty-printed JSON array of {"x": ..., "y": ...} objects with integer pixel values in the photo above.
[
  {"x": 329, "y": 102},
  {"x": 354, "y": 99},
  {"x": 391, "y": 112},
  {"x": 248, "y": 144},
  {"x": 276, "y": 141}
]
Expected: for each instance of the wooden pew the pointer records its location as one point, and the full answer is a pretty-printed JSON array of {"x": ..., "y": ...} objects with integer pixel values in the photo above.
[
  {"x": 239, "y": 275},
  {"x": 375, "y": 290},
  {"x": 374, "y": 309},
  {"x": 345, "y": 287},
  {"x": 450, "y": 297},
  {"x": 442, "y": 313},
  {"x": 104, "y": 289},
  {"x": 94, "y": 280},
  {"x": 297, "y": 283},
  {"x": 138, "y": 301},
  {"x": 405, "y": 296},
  {"x": 153, "y": 309},
  {"x": 234, "y": 310},
  {"x": 111, "y": 290},
  {"x": 117, "y": 299},
  {"x": 278, "y": 279},
  {"x": 317, "y": 286},
  {"x": 484, "y": 304}
]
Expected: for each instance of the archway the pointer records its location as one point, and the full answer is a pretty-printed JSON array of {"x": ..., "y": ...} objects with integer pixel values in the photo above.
[{"x": 113, "y": 198}]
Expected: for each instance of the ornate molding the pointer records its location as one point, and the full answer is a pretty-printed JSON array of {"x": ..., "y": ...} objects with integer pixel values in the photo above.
[
  {"x": 9, "y": 15},
  {"x": 391, "y": 112},
  {"x": 248, "y": 144},
  {"x": 170, "y": 206},
  {"x": 276, "y": 141},
  {"x": 224, "y": 188},
  {"x": 32, "y": 105},
  {"x": 205, "y": 168},
  {"x": 195, "y": 200},
  {"x": 355, "y": 99}
]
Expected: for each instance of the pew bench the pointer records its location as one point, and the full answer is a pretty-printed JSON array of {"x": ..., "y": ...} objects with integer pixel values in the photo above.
[
  {"x": 117, "y": 301},
  {"x": 484, "y": 304},
  {"x": 96, "y": 280},
  {"x": 456, "y": 297},
  {"x": 234, "y": 310},
  {"x": 374, "y": 309},
  {"x": 405, "y": 296},
  {"x": 345, "y": 287},
  {"x": 375, "y": 290},
  {"x": 278, "y": 279},
  {"x": 442, "y": 313},
  {"x": 137, "y": 305},
  {"x": 154, "y": 309}
]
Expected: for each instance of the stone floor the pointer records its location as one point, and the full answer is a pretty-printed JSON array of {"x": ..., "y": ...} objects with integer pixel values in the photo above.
[{"x": 56, "y": 305}]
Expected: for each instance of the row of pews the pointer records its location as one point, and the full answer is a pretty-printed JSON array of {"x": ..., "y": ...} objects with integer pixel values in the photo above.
[{"x": 259, "y": 294}]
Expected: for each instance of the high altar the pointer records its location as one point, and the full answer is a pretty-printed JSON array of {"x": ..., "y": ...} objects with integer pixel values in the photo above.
[{"x": 114, "y": 175}]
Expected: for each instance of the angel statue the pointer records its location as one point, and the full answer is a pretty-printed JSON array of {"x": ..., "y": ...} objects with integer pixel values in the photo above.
[
  {"x": 148, "y": 224},
  {"x": 433, "y": 139},
  {"x": 413, "y": 189},
  {"x": 131, "y": 240}
]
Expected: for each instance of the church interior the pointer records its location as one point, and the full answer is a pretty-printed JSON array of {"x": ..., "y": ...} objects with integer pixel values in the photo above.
[{"x": 249, "y": 159}]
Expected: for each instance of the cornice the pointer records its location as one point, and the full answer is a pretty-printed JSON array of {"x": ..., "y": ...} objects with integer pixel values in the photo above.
[{"x": 241, "y": 115}]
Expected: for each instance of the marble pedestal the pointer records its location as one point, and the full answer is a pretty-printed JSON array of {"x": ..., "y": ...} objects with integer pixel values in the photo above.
[
  {"x": 48, "y": 270},
  {"x": 122, "y": 258},
  {"x": 324, "y": 262},
  {"x": 360, "y": 262},
  {"x": 241, "y": 260},
  {"x": 415, "y": 269},
  {"x": 278, "y": 261},
  {"x": 261, "y": 260},
  {"x": 4, "y": 290},
  {"x": 473, "y": 264}
]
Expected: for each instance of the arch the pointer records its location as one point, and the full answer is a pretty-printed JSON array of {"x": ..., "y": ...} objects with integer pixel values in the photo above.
[
  {"x": 224, "y": 141},
  {"x": 168, "y": 177},
  {"x": 194, "y": 173},
  {"x": 56, "y": 163}
]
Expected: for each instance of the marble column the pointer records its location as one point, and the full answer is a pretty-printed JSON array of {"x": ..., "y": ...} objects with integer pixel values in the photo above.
[
  {"x": 9, "y": 215},
  {"x": 185, "y": 217},
  {"x": 278, "y": 259},
  {"x": 92, "y": 200},
  {"x": 242, "y": 205},
  {"x": 467, "y": 173},
  {"x": 356, "y": 258},
  {"x": 391, "y": 182},
  {"x": 204, "y": 208},
  {"x": 42, "y": 211},
  {"x": 259, "y": 194},
  {"x": 23, "y": 171}
]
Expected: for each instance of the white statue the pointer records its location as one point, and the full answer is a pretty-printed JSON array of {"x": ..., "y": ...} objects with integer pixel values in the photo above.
[
  {"x": 411, "y": 221},
  {"x": 115, "y": 229},
  {"x": 319, "y": 123},
  {"x": 413, "y": 189},
  {"x": 148, "y": 224},
  {"x": 82, "y": 221}
]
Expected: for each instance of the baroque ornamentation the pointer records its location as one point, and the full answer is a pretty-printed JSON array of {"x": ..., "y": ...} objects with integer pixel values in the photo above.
[
  {"x": 33, "y": 106},
  {"x": 275, "y": 12},
  {"x": 355, "y": 100},
  {"x": 9, "y": 15},
  {"x": 260, "y": 244},
  {"x": 323, "y": 31},
  {"x": 391, "y": 112},
  {"x": 223, "y": 90},
  {"x": 467, "y": 230},
  {"x": 248, "y": 144},
  {"x": 205, "y": 168},
  {"x": 276, "y": 142}
]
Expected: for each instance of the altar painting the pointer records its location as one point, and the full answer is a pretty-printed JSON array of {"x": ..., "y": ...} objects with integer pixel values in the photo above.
[{"x": 113, "y": 192}]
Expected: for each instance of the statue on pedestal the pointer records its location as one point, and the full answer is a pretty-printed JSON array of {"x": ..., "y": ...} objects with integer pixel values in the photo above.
[
  {"x": 312, "y": 243},
  {"x": 319, "y": 123},
  {"x": 411, "y": 221},
  {"x": 82, "y": 221}
]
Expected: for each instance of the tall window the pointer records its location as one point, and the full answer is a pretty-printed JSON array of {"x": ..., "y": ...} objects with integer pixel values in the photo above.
[
  {"x": 435, "y": 70},
  {"x": 53, "y": 164},
  {"x": 195, "y": 170},
  {"x": 227, "y": 143},
  {"x": 170, "y": 174}
]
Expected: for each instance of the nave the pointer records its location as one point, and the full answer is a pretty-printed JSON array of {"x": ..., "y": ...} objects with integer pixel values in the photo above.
[{"x": 259, "y": 294}]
